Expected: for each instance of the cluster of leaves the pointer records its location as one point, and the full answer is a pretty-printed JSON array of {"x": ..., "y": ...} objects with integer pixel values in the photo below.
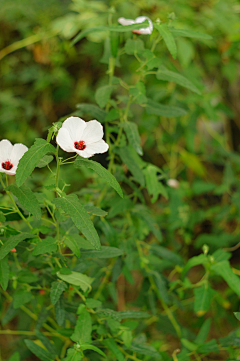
[{"x": 131, "y": 272}]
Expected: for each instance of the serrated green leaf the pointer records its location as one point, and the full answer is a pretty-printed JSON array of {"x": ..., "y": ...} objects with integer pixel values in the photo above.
[
  {"x": 103, "y": 95},
  {"x": 101, "y": 171},
  {"x": 134, "y": 46},
  {"x": 118, "y": 28},
  {"x": 203, "y": 297},
  {"x": 224, "y": 270},
  {"x": 168, "y": 38},
  {"x": 12, "y": 242},
  {"x": 85, "y": 346},
  {"x": 118, "y": 316},
  {"x": 46, "y": 343},
  {"x": 131, "y": 130},
  {"x": 73, "y": 355},
  {"x": 171, "y": 76},
  {"x": 168, "y": 111},
  {"x": 4, "y": 273},
  {"x": 77, "y": 279},
  {"x": 70, "y": 204},
  {"x": 93, "y": 110},
  {"x": 38, "y": 351},
  {"x": 48, "y": 245},
  {"x": 104, "y": 252},
  {"x": 112, "y": 346},
  {"x": 31, "y": 158},
  {"x": 27, "y": 199},
  {"x": 92, "y": 303},
  {"x": 83, "y": 329},
  {"x": 57, "y": 289},
  {"x": 189, "y": 34}
]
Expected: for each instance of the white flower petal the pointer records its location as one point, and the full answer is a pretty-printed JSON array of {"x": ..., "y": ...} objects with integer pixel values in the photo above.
[
  {"x": 93, "y": 132},
  {"x": 75, "y": 127},
  {"x": 64, "y": 140},
  {"x": 86, "y": 153},
  {"x": 5, "y": 151},
  {"x": 124, "y": 21},
  {"x": 145, "y": 31},
  {"x": 98, "y": 147},
  {"x": 17, "y": 152},
  {"x": 12, "y": 171}
]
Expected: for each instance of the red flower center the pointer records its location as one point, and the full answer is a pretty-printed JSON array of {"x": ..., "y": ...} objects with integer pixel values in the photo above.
[
  {"x": 80, "y": 145},
  {"x": 7, "y": 165}
]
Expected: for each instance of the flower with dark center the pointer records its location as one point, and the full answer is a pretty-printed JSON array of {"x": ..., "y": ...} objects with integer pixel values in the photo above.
[
  {"x": 10, "y": 156},
  {"x": 138, "y": 20}
]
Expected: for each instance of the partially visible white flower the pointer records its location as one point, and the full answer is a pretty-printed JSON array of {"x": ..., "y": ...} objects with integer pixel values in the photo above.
[
  {"x": 173, "y": 183},
  {"x": 140, "y": 19},
  {"x": 10, "y": 156},
  {"x": 84, "y": 138}
]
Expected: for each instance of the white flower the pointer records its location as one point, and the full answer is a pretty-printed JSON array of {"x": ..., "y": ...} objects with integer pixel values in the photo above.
[
  {"x": 84, "y": 138},
  {"x": 140, "y": 19},
  {"x": 173, "y": 183},
  {"x": 10, "y": 156}
]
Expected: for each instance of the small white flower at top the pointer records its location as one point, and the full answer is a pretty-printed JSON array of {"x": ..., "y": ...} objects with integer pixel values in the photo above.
[
  {"x": 84, "y": 138},
  {"x": 10, "y": 156},
  {"x": 140, "y": 19}
]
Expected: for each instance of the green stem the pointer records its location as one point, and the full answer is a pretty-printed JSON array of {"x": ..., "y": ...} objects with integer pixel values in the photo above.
[{"x": 57, "y": 180}]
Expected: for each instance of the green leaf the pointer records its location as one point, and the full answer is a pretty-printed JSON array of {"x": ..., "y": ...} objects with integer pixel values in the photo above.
[
  {"x": 142, "y": 212},
  {"x": 21, "y": 297},
  {"x": 193, "y": 162},
  {"x": 161, "y": 286},
  {"x": 210, "y": 346},
  {"x": 27, "y": 199},
  {"x": 154, "y": 186},
  {"x": 48, "y": 245},
  {"x": 203, "y": 333},
  {"x": 237, "y": 315},
  {"x": 2, "y": 217},
  {"x": 114, "y": 40},
  {"x": 83, "y": 329},
  {"x": 4, "y": 273},
  {"x": 118, "y": 28},
  {"x": 96, "y": 211},
  {"x": 71, "y": 243},
  {"x": 15, "y": 357},
  {"x": 60, "y": 312},
  {"x": 162, "y": 110},
  {"x": 224, "y": 270},
  {"x": 12, "y": 242},
  {"x": 46, "y": 343},
  {"x": 93, "y": 111},
  {"x": 171, "y": 76},
  {"x": 57, "y": 289},
  {"x": 144, "y": 349},
  {"x": 203, "y": 297},
  {"x": 131, "y": 129},
  {"x": 195, "y": 261},
  {"x": 168, "y": 38},
  {"x": 188, "y": 344},
  {"x": 103, "y": 95},
  {"x": 70, "y": 204},
  {"x": 92, "y": 303},
  {"x": 101, "y": 171},
  {"x": 31, "y": 158},
  {"x": 120, "y": 207},
  {"x": 104, "y": 252},
  {"x": 127, "y": 158},
  {"x": 189, "y": 34},
  {"x": 118, "y": 316},
  {"x": 38, "y": 351},
  {"x": 165, "y": 253},
  {"x": 73, "y": 355},
  {"x": 112, "y": 346},
  {"x": 45, "y": 161},
  {"x": 77, "y": 279},
  {"x": 134, "y": 46},
  {"x": 86, "y": 346}
]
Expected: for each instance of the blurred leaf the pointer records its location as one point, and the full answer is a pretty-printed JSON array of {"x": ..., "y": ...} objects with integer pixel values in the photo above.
[
  {"x": 21, "y": 297},
  {"x": 83, "y": 329},
  {"x": 12, "y": 242},
  {"x": 45, "y": 161},
  {"x": 4, "y": 273},
  {"x": 112, "y": 346},
  {"x": 104, "y": 252},
  {"x": 38, "y": 351},
  {"x": 162, "y": 110},
  {"x": 93, "y": 110},
  {"x": 203, "y": 332},
  {"x": 210, "y": 346},
  {"x": 203, "y": 297},
  {"x": 192, "y": 161},
  {"x": 15, "y": 357},
  {"x": 48, "y": 245},
  {"x": 171, "y": 76},
  {"x": 71, "y": 243},
  {"x": 130, "y": 162},
  {"x": 134, "y": 46},
  {"x": 103, "y": 95},
  {"x": 60, "y": 312},
  {"x": 85, "y": 346},
  {"x": 114, "y": 40},
  {"x": 168, "y": 38},
  {"x": 96, "y": 211},
  {"x": 134, "y": 139},
  {"x": 224, "y": 270},
  {"x": 189, "y": 34}
]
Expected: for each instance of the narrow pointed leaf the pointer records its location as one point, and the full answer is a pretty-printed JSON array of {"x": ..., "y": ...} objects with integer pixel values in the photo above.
[
  {"x": 190, "y": 34},
  {"x": 71, "y": 205},
  {"x": 38, "y": 351},
  {"x": 224, "y": 270},
  {"x": 4, "y": 273},
  {"x": 101, "y": 171},
  {"x": 134, "y": 139},
  {"x": 171, "y": 76},
  {"x": 77, "y": 279},
  {"x": 168, "y": 38},
  {"x": 57, "y": 289},
  {"x": 163, "y": 110}
]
